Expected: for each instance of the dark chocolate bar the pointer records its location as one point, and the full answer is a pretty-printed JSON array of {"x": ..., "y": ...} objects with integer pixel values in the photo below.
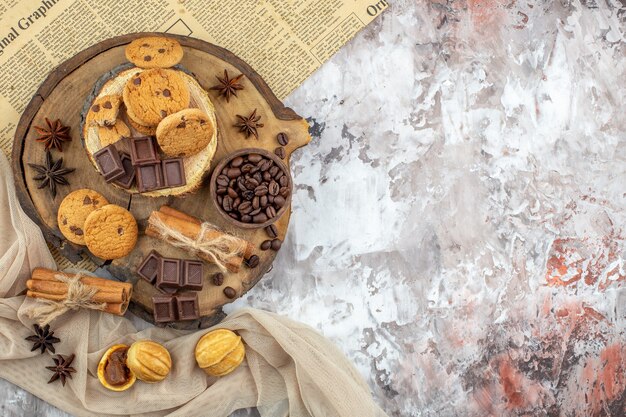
[
  {"x": 174, "y": 173},
  {"x": 126, "y": 181},
  {"x": 149, "y": 177},
  {"x": 143, "y": 151},
  {"x": 170, "y": 276},
  {"x": 192, "y": 275},
  {"x": 165, "y": 308},
  {"x": 109, "y": 162},
  {"x": 187, "y": 306},
  {"x": 150, "y": 267}
]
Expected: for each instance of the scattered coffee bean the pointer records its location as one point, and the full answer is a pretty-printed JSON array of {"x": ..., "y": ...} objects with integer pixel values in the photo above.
[
  {"x": 280, "y": 152},
  {"x": 266, "y": 244},
  {"x": 276, "y": 244},
  {"x": 282, "y": 138},
  {"x": 230, "y": 292},
  {"x": 272, "y": 231},
  {"x": 248, "y": 186},
  {"x": 218, "y": 279},
  {"x": 253, "y": 261}
]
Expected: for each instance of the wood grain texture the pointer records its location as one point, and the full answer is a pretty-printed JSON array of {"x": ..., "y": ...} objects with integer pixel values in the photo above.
[{"x": 63, "y": 95}]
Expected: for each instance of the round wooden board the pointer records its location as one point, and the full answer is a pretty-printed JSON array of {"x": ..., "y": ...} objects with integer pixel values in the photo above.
[{"x": 62, "y": 95}]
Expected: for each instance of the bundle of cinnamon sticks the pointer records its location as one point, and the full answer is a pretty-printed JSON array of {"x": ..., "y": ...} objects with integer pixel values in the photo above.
[
  {"x": 44, "y": 285},
  {"x": 182, "y": 228}
]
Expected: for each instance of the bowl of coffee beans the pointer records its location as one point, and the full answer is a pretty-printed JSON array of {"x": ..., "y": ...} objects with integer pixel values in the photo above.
[{"x": 251, "y": 188}]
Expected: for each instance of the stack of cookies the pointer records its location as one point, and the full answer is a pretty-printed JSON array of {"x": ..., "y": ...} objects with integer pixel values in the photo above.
[{"x": 154, "y": 99}]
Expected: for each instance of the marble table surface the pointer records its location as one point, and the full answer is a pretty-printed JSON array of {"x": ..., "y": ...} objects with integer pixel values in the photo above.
[{"x": 458, "y": 222}]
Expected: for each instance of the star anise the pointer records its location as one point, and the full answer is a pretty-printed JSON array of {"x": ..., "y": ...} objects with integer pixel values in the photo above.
[
  {"x": 228, "y": 86},
  {"x": 43, "y": 339},
  {"x": 51, "y": 174},
  {"x": 53, "y": 135},
  {"x": 249, "y": 125},
  {"x": 61, "y": 368}
]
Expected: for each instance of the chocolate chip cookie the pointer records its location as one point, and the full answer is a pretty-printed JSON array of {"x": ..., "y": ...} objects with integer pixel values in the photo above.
[
  {"x": 154, "y": 52},
  {"x": 185, "y": 133},
  {"x": 74, "y": 210},
  {"x": 110, "y": 232},
  {"x": 104, "y": 110}
]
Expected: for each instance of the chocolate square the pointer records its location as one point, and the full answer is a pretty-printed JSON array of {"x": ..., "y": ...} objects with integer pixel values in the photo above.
[
  {"x": 126, "y": 181},
  {"x": 174, "y": 173},
  {"x": 109, "y": 162},
  {"x": 170, "y": 276},
  {"x": 150, "y": 267},
  {"x": 187, "y": 306},
  {"x": 192, "y": 275},
  {"x": 165, "y": 308},
  {"x": 149, "y": 177},
  {"x": 143, "y": 151}
]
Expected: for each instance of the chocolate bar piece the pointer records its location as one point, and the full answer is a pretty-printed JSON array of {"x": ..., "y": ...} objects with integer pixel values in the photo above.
[
  {"x": 174, "y": 173},
  {"x": 149, "y": 177},
  {"x": 165, "y": 308},
  {"x": 126, "y": 181},
  {"x": 170, "y": 276},
  {"x": 109, "y": 162},
  {"x": 150, "y": 267},
  {"x": 187, "y": 306},
  {"x": 192, "y": 275},
  {"x": 143, "y": 151}
]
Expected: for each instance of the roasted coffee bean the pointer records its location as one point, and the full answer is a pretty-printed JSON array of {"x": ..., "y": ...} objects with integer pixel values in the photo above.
[
  {"x": 232, "y": 193},
  {"x": 270, "y": 199},
  {"x": 233, "y": 173},
  {"x": 272, "y": 231},
  {"x": 283, "y": 181},
  {"x": 225, "y": 170},
  {"x": 234, "y": 216},
  {"x": 236, "y": 203},
  {"x": 241, "y": 185},
  {"x": 279, "y": 201},
  {"x": 270, "y": 212},
  {"x": 248, "y": 195},
  {"x": 227, "y": 204},
  {"x": 273, "y": 188},
  {"x": 220, "y": 198},
  {"x": 253, "y": 261},
  {"x": 232, "y": 183},
  {"x": 245, "y": 207},
  {"x": 254, "y": 158},
  {"x": 251, "y": 183},
  {"x": 246, "y": 218},
  {"x": 258, "y": 176},
  {"x": 261, "y": 190},
  {"x": 263, "y": 201},
  {"x": 255, "y": 211},
  {"x": 246, "y": 168},
  {"x": 282, "y": 138},
  {"x": 218, "y": 279},
  {"x": 279, "y": 175},
  {"x": 280, "y": 152},
  {"x": 222, "y": 180},
  {"x": 267, "y": 164},
  {"x": 237, "y": 162},
  {"x": 221, "y": 190},
  {"x": 256, "y": 202},
  {"x": 276, "y": 244},
  {"x": 267, "y": 176},
  {"x": 230, "y": 292},
  {"x": 266, "y": 244},
  {"x": 273, "y": 171},
  {"x": 284, "y": 191},
  {"x": 260, "y": 218}
]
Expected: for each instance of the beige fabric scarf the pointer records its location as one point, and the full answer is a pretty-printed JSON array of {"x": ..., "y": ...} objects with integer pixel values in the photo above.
[{"x": 290, "y": 369}]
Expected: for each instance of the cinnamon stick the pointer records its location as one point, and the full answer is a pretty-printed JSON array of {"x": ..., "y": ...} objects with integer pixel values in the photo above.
[
  {"x": 103, "y": 285},
  {"x": 113, "y": 308},
  {"x": 191, "y": 227},
  {"x": 60, "y": 288}
]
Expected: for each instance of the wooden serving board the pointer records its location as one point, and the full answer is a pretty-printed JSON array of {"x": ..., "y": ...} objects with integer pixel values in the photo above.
[{"x": 63, "y": 94}]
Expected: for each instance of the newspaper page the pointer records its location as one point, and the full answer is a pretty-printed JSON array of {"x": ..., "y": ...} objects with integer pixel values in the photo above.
[{"x": 283, "y": 40}]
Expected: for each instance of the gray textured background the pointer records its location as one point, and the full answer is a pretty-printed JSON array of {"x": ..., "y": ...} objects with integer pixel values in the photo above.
[{"x": 458, "y": 226}]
